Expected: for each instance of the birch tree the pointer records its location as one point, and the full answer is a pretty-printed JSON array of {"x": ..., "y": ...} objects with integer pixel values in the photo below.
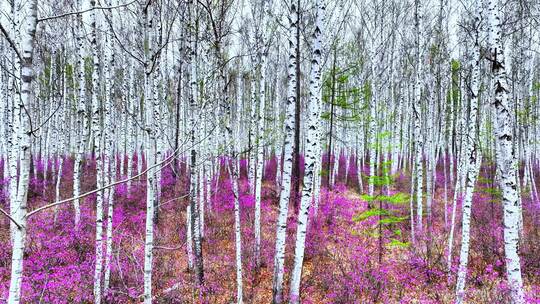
[
  {"x": 22, "y": 143},
  {"x": 81, "y": 113},
  {"x": 311, "y": 154},
  {"x": 279, "y": 257},
  {"x": 473, "y": 160},
  {"x": 506, "y": 163},
  {"x": 97, "y": 133},
  {"x": 233, "y": 173},
  {"x": 109, "y": 153},
  {"x": 260, "y": 133},
  {"x": 194, "y": 112},
  {"x": 418, "y": 141}
]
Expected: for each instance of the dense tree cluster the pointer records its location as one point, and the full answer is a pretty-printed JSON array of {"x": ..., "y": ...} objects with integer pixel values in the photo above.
[{"x": 213, "y": 92}]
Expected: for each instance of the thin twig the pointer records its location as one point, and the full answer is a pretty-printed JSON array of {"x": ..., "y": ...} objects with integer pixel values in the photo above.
[
  {"x": 100, "y": 189},
  {"x": 164, "y": 162},
  {"x": 11, "y": 218},
  {"x": 85, "y": 11},
  {"x": 11, "y": 42},
  {"x": 170, "y": 248}
]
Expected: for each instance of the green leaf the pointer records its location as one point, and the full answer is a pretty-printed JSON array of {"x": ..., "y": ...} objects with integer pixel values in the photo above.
[
  {"x": 397, "y": 243},
  {"x": 367, "y": 197},
  {"x": 325, "y": 115},
  {"x": 380, "y": 180},
  {"x": 536, "y": 86},
  {"x": 455, "y": 65},
  {"x": 392, "y": 220},
  {"x": 384, "y": 134},
  {"x": 369, "y": 213},
  {"x": 367, "y": 91},
  {"x": 343, "y": 78},
  {"x": 496, "y": 193},
  {"x": 397, "y": 198},
  {"x": 483, "y": 180}
]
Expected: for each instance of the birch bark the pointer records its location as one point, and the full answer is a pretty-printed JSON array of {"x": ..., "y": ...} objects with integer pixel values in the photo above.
[
  {"x": 311, "y": 154},
  {"x": 149, "y": 149},
  {"x": 418, "y": 141},
  {"x": 506, "y": 162},
  {"x": 473, "y": 162},
  {"x": 97, "y": 135},
  {"x": 279, "y": 258},
  {"x": 21, "y": 151},
  {"x": 81, "y": 113},
  {"x": 109, "y": 153},
  {"x": 260, "y": 132}
]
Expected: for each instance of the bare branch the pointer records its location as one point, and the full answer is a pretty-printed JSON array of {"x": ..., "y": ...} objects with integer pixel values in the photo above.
[
  {"x": 11, "y": 218},
  {"x": 85, "y": 11},
  {"x": 163, "y": 163},
  {"x": 11, "y": 42}
]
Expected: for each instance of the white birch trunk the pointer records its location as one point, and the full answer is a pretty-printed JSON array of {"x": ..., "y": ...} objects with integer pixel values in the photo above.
[
  {"x": 22, "y": 142},
  {"x": 194, "y": 112},
  {"x": 109, "y": 153},
  {"x": 61, "y": 136},
  {"x": 237, "y": 233},
  {"x": 131, "y": 124},
  {"x": 97, "y": 134},
  {"x": 259, "y": 169},
  {"x": 150, "y": 152},
  {"x": 81, "y": 115},
  {"x": 418, "y": 141},
  {"x": 311, "y": 154},
  {"x": 430, "y": 157},
  {"x": 279, "y": 258},
  {"x": 189, "y": 238},
  {"x": 472, "y": 165},
  {"x": 253, "y": 126},
  {"x": 200, "y": 195},
  {"x": 506, "y": 163},
  {"x": 260, "y": 160}
]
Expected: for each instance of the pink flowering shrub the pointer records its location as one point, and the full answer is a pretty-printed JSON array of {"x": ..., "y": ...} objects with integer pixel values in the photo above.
[{"x": 341, "y": 263}]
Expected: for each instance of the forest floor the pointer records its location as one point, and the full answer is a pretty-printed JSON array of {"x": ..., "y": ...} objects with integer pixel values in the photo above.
[{"x": 353, "y": 255}]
